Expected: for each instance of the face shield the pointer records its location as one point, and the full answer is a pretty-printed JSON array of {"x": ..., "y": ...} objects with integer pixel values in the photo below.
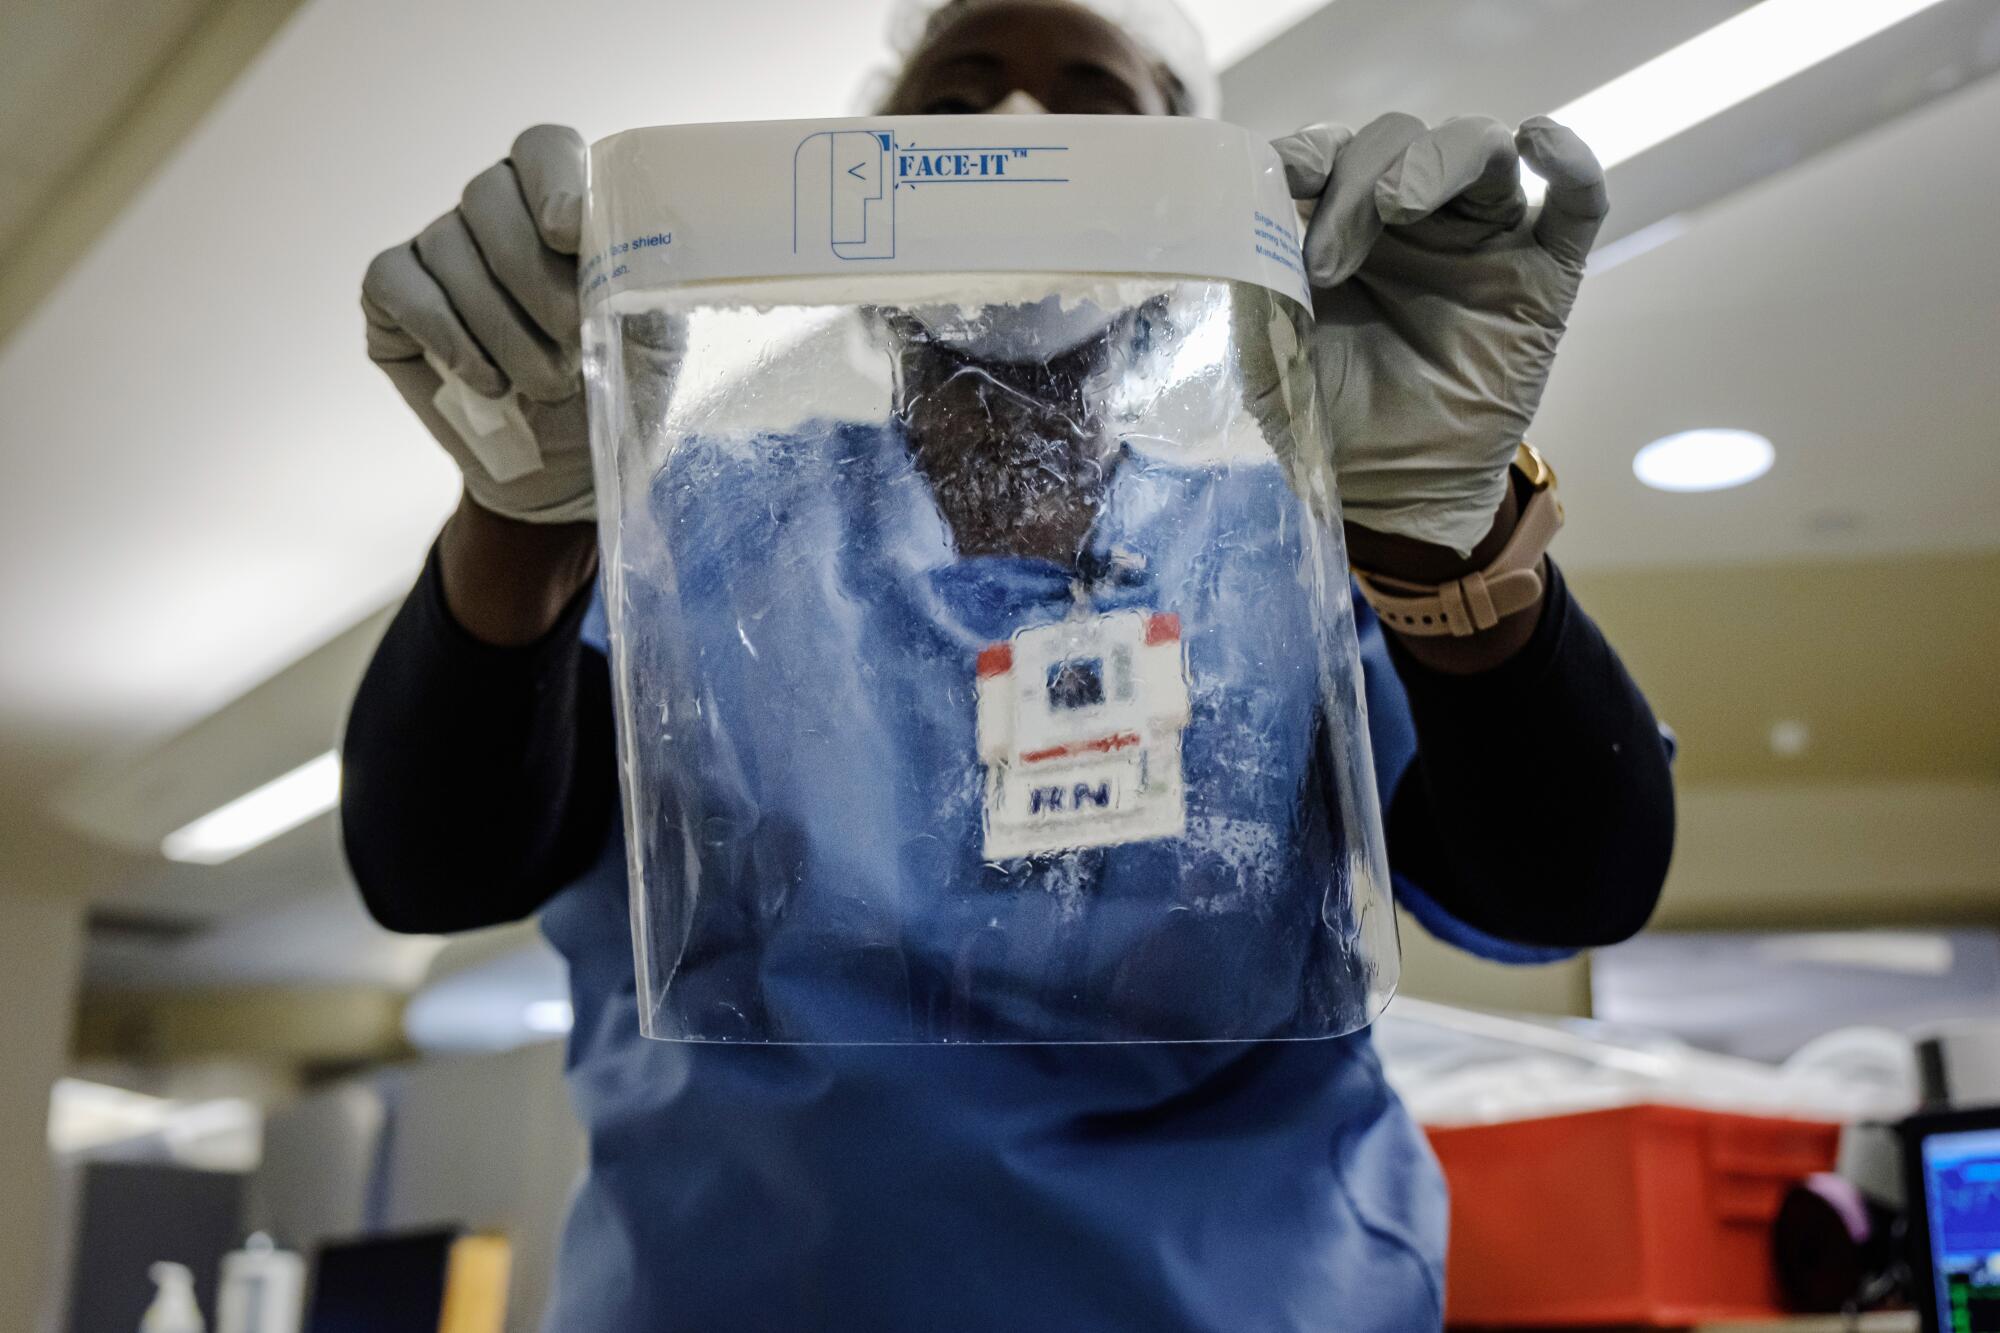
[
  {"x": 1034, "y": 328},
  {"x": 983, "y": 659}
]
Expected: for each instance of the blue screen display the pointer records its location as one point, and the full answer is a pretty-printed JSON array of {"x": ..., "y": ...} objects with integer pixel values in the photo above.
[{"x": 1962, "y": 1198}]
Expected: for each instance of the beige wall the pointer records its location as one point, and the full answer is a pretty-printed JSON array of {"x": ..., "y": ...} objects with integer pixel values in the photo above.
[
  {"x": 41, "y": 947},
  {"x": 275, "y": 1025},
  {"x": 1835, "y": 854},
  {"x": 1434, "y": 970},
  {"x": 1811, "y": 856}
]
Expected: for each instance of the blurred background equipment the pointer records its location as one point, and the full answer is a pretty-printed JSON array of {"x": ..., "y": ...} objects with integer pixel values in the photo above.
[
  {"x": 173, "y": 1309},
  {"x": 211, "y": 502},
  {"x": 1960, "y": 1061},
  {"x": 1648, "y": 1214},
  {"x": 135, "y": 1220},
  {"x": 1953, "y": 1178},
  {"x": 1836, "y": 1241},
  {"x": 263, "y": 1289},
  {"x": 421, "y": 1282},
  {"x": 1604, "y": 1174}
]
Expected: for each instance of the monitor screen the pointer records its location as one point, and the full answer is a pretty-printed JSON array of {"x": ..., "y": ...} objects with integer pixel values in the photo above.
[
  {"x": 1962, "y": 1198},
  {"x": 388, "y": 1284}
]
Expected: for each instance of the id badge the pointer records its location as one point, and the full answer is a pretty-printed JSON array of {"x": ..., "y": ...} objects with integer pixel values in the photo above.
[{"x": 1080, "y": 728}]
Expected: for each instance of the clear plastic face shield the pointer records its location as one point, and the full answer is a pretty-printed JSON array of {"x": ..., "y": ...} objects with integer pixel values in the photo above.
[{"x": 984, "y": 664}]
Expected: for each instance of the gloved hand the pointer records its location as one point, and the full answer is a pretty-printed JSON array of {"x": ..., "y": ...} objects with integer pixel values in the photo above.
[
  {"x": 475, "y": 321},
  {"x": 1440, "y": 303}
]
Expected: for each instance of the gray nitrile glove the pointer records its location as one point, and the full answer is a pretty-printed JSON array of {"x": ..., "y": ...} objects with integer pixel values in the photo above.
[
  {"x": 475, "y": 321},
  {"x": 1440, "y": 299}
]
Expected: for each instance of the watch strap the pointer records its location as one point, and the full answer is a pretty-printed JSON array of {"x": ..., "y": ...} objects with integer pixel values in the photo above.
[{"x": 1482, "y": 599}]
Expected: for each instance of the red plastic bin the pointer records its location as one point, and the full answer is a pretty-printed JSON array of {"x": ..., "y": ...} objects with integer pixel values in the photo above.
[{"x": 1651, "y": 1215}]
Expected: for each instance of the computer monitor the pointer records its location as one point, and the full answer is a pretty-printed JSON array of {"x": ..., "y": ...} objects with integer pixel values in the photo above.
[
  {"x": 382, "y": 1284},
  {"x": 1952, "y": 1166}
]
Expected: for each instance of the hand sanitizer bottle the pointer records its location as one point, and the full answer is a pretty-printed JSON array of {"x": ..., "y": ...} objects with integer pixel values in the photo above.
[{"x": 173, "y": 1309}]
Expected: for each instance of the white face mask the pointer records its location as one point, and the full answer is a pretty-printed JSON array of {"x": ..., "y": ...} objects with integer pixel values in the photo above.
[
  {"x": 1024, "y": 334},
  {"x": 1017, "y": 103},
  {"x": 1027, "y": 333}
]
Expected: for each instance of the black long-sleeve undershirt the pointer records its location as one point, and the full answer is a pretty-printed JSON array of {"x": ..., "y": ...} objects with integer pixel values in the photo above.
[
  {"x": 1540, "y": 805},
  {"x": 480, "y": 780}
]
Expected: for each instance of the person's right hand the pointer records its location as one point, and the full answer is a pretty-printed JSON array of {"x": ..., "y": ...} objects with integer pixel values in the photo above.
[
  {"x": 475, "y": 322},
  {"x": 1440, "y": 297}
]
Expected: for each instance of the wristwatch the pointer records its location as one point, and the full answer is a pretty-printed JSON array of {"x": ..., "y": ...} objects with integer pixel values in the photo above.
[{"x": 1482, "y": 599}]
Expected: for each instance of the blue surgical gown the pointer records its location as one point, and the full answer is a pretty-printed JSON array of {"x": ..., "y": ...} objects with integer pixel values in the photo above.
[{"x": 1241, "y": 1186}]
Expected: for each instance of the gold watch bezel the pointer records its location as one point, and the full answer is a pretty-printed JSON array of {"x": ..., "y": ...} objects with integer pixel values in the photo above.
[{"x": 1540, "y": 476}]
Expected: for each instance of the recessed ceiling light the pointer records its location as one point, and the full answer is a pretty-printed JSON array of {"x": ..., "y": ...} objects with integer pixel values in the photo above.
[
  {"x": 1703, "y": 460},
  {"x": 553, "y": 1017},
  {"x": 1790, "y": 738}
]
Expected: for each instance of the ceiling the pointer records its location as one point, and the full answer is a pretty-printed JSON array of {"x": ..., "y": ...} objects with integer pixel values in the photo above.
[
  {"x": 209, "y": 484},
  {"x": 94, "y": 97},
  {"x": 70, "y": 75},
  {"x": 206, "y": 478}
]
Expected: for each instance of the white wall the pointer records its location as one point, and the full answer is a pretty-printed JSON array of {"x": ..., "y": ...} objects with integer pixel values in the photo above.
[{"x": 41, "y": 949}]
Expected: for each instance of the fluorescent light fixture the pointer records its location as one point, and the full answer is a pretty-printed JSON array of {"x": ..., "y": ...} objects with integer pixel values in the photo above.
[
  {"x": 1643, "y": 241},
  {"x": 256, "y": 817},
  {"x": 1703, "y": 460},
  {"x": 1913, "y": 953},
  {"x": 84, "y": 1115},
  {"x": 1714, "y": 70},
  {"x": 553, "y": 1017},
  {"x": 225, "y": 1134}
]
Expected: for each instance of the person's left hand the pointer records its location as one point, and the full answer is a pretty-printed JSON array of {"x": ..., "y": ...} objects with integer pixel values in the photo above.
[{"x": 1440, "y": 299}]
